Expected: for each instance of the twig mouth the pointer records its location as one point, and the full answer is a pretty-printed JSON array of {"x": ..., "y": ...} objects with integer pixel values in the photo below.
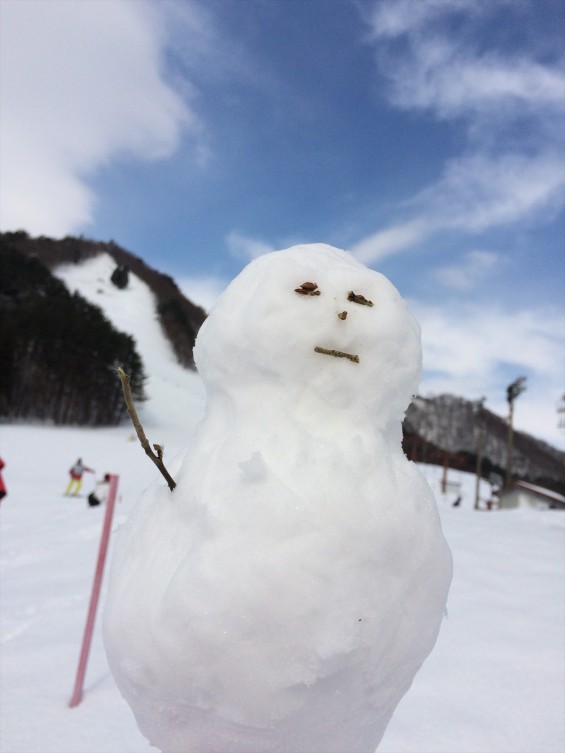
[{"x": 337, "y": 353}]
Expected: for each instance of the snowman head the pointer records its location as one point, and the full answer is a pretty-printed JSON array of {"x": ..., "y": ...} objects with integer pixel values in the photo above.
[{"x": 313, "y": 320}]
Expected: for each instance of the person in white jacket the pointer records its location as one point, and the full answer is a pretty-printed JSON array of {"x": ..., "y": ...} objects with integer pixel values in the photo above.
[{"x": 100, "y": 493}]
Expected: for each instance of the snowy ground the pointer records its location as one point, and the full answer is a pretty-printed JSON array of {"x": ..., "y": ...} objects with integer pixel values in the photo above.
[{"x": 494, "y": 683}]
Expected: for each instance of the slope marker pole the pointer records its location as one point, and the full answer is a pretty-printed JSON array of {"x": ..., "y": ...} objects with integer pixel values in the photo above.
[{"x": 76, "y": 697}]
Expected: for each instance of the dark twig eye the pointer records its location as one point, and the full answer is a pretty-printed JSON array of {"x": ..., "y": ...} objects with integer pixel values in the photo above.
[
  {"x": 308, "y": 288},
  {"x": 358, "y": 298}
]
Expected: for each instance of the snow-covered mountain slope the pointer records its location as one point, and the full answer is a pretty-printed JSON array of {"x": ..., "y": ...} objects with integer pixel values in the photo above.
[{"x": 175, "y": 394}]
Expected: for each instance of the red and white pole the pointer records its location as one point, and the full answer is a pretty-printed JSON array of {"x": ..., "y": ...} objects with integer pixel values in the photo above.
[{"x": 89, "y": 628}]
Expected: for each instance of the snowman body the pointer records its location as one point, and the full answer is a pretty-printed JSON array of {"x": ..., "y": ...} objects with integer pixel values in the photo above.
[{"x": 283, "y": 597}]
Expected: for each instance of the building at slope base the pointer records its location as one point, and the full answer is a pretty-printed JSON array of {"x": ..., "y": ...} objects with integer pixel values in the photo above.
[{"x": 529, "y": 496}]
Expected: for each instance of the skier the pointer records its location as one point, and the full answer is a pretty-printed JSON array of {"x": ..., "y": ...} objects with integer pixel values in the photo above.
[
  {"x": 76, "y": 473},
  {"x": 100, "y": 493},
  {"x": 3, "y": 491}
]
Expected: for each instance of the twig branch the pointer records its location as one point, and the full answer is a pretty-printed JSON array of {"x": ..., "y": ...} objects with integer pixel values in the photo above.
[
  {"x": 337, "y": 354},
  {"x": 156, "y": 457},
  {"x": 358, "y": 298}
]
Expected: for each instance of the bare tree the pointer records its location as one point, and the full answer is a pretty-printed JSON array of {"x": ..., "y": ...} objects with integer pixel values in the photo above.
[{"x": 157, "y": 456}]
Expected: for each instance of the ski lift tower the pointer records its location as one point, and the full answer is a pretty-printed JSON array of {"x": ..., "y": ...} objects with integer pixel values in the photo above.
[
  {"x": 479, "y": 412},
  {"x": 512, "y": 392}
]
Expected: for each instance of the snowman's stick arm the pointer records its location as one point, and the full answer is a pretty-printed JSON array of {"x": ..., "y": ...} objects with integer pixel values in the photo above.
[{"x": 156, "y": 458}]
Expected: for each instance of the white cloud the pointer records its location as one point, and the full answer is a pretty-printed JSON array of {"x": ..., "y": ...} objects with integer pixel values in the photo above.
[
  {"x": 491, "y": 184},
  {"x": 386, "y": 242},
  {"x": 481, "y": 191},
  {"x": 467, "y": 273},
  {"x": 394, "y": 18},
  {"x": 245, "y": 248},
  {"x": 80, "y": 84},
  {"x": 454, "y": 81},
  {"x": 475, "y": 349},
  {"x": 203, "y": 291},
  {"x": 474, "y": 194}
]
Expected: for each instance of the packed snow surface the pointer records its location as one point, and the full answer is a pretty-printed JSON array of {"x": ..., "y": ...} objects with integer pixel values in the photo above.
[
  {"x": 283, "y": 597},
  {"x": 494, "y": 683}
]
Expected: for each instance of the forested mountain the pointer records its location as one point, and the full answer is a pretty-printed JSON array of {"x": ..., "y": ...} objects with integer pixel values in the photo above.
[
  {"x": 180, "y": 318},
  {"x": 446, "y": 427},
  {"x": 59, "y": 352}
]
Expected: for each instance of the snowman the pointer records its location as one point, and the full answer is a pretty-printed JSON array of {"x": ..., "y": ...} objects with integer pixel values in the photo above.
[{"x": 283, "y": 596}]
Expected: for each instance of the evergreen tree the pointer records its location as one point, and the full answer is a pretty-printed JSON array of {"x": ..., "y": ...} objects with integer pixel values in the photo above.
[{"x": 59, "y": 352}]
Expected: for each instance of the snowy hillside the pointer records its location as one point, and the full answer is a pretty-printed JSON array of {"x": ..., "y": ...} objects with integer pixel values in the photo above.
[
  {"x": 175, "y": 394},
  {"x": 493, "y": 684},
  {"x": 451, "y": 423}
]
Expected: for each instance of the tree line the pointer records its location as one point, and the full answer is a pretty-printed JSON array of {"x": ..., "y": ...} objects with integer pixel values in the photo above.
[
  {"x": 59, "y": 352},
  {"x": 179, "y": 317}
]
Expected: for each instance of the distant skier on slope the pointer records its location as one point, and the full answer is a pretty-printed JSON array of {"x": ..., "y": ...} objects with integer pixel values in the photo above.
[
  {"x": 3, "y": 491},
  {"x": 100, "y": 493},
  {"x": 76, "y": 473}
]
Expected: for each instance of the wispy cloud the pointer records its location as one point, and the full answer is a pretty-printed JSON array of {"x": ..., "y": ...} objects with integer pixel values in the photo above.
[
  {"x": 396, "y": 238},
  {"x": 474, "y": 194},
  {"x": 203, "y": 291},
  {"x": 455, "y": 80},
  {"x": 496, "y": 180},
  {"x": 483, "y": 191},
  {"x": 394, "y": 18},
  {"x": 244, "y": 248},
  {"x": 469, "y": 271},
  {"x": 81, "y": 85},
  {"x": 473, "y": 340},
  {"x": 474, "y": 349}
]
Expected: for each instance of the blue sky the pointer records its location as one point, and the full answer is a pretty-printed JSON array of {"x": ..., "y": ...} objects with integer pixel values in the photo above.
[{"x": 425, "y": 136}]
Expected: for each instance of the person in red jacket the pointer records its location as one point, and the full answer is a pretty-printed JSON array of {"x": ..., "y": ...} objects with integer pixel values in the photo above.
[
  {"x": 76, "y": 473},
  {"x": 3, "y": 491}
]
